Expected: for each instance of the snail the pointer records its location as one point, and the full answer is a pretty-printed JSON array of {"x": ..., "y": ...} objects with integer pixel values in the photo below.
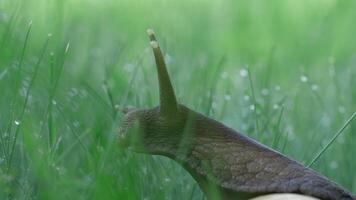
[{"x": 225, "y": 163}]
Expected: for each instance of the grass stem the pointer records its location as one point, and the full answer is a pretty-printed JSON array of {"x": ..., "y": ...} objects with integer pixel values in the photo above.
[{"x": 332, "y": 140}]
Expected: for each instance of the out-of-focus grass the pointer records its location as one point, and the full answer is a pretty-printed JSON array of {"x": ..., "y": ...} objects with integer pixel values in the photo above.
[{"x": 299, "y": 56}]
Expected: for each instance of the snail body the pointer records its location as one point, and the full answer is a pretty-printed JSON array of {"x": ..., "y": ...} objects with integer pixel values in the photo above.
[{"x": 225, "y": 163}]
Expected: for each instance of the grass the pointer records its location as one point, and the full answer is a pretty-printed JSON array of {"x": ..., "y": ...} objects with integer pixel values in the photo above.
[{"x": 57, "y": 101}]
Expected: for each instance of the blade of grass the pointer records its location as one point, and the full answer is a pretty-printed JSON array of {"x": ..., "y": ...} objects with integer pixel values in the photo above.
[
  {"x": 96, "y": 96},
  {"x": 338, "y": 133},
  {"x": 8, "y": 28},
  {"x": 7, "y": 134},
  {"x": 279, "y": 133},
  {"x": 71, "y": 127},
  {"x": 50, "y": 105},
  {"x": 133, "y": 77},
  {"x": 253, "y": 99},
  {"x": 213, "y": 84},
  {"x": 32, "y": 81},
  {"x": 54, "y": 85},
  {"x": 17, "y": 82}
]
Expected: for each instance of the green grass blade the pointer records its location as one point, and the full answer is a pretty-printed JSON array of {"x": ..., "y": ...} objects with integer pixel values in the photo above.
[
  {"x": 253, "y": 100},
  {"x": 338, "y": 133},
  {"x": 18, "y": 127}
]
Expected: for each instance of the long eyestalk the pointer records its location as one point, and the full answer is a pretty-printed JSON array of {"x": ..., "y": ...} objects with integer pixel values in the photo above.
[{"x": 168, "y": 102}]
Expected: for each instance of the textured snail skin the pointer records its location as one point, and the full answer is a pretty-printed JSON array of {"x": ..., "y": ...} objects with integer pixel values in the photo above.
[{"x": 225, "y": 163}]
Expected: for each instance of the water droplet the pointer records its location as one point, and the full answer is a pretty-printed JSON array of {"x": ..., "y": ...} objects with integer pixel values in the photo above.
[
  {"x": 314, "y": 87},
  {"x": 128, "y": 67},
  {"x": 167, "y": 179},
  {"x": 144, "y": 170},
  {"x": 252, "y": 107},
  {"x": 76, "y": 124},
  {"x": 291, "y": 136},
  {"x": 3, "y": 17},
  {"x": 342, "y": 109},
  {"x": 67, "y": 47},
  {"x": 243, "y": 72},
  {"x": 341, "y": 139},
  {"x": 224, "y": 75},
  {"x": 275, "y": 106},
  {"x": 334, "y": 165},
  {"x": 17, "y": 122},
  {"x": 214, "y": 105},
  {"x": 227, "y": 97},
  {"x": 40, "y": 151},
  {"x": 265, "y": 91},
  {"x": 2, "y": 74},
  {"x": 54, "y": 102},
  {"x": 168, "y": 58},
  {"x": 246, "y": 98},
  {"x": 325, "y": 120},
  {"x": 303, "y": 78}
]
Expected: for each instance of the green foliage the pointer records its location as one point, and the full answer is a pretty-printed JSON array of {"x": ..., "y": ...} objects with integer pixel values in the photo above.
[{"x": 280, "y": 71}]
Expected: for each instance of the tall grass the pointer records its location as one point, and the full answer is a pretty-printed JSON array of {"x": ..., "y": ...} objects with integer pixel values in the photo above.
[{"x": 58, "y": 101}]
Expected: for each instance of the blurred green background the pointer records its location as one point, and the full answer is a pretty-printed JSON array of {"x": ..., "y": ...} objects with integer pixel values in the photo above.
[{"x": 281, "y": 71}]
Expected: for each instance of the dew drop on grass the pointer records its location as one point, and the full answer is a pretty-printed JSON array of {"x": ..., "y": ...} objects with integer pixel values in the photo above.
[
  {"x": 167, "y": 179},
  {"x": 144, "y": 170},
  {"x": 303, "y": 78},
  {"x": 342, "y": 109},
  {"x": 128, "y": 67},
  {"x": 243, "y": 72},
  {"x": 40, "y": 151},
  {"x": 17, "y": 122},
  {"x": 277, "y": 88},
  {"x": 168, "y": 58},
  {"x": 76, "y": 124},
  {"x": 227, "y": 97},
  {"x": 3, "y": 17},
  {"x": 214, "y": 105},
  {"x": 291, "y": 134},
  {"x": 73, "y": 92},
  {"x": 246, "y": 98},
  {"x": 275, "y": 106},
  {"x": 252, "y": 107},
  {"x": 314, "y": 87},
  {"x": 341, "y": 139},
  {"x": 224, "y": 75},
  {"x": 3, "y": 73},
  {"x": 334, "y": 165},
  {"x": 325, "y": 120},
  {"x": 265, "y": 92}
]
